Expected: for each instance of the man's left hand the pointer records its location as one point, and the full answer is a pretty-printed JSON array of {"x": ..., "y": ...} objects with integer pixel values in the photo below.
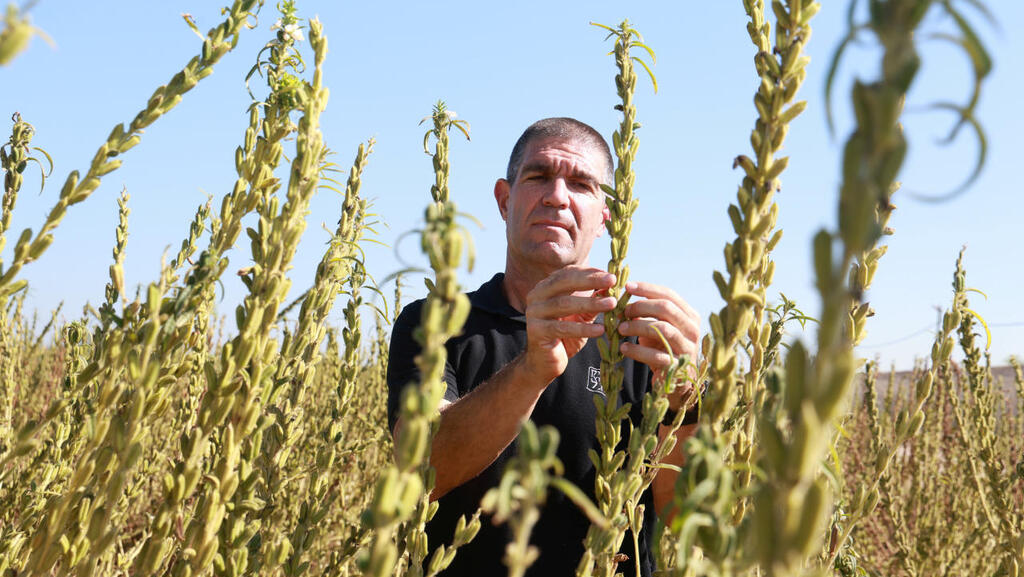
[{"x": 660, "y": 310}]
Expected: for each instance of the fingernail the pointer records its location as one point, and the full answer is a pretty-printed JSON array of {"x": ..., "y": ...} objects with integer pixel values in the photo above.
[
  {"x": 623, "y": 326},
  {"x": 630, "y": 286}
]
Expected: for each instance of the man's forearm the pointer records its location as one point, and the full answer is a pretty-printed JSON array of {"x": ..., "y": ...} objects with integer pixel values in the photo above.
[{"x": 475, "y": 429}]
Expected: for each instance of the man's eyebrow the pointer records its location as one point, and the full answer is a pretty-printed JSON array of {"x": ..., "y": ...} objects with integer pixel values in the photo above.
[
  {"x": 537, "y": 166},
  {"x": 584, "y": 175},
  {"x": 548, "y": 168}
]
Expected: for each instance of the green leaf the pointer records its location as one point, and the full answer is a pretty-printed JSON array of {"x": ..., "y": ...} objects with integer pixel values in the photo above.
[
  {"x": 974, "y": 290},
  {"x": 463, "y": 129},
  {"x": 48, "y": 160},
  {"x": 980, "y": 7},
  {"x": 984, "y": 325},
  {"x": 967, "y": 116},
  {"x": 980, "y": 59},
  {"x": 580, "y": 499},
  {"x": 981, "y": 62},
  {"x": 833, "y": 67},
  {"x": 654, "y": 59},
  {"x": 654, "y": 80},
  {"x": 666, "y": 466},
  {"x": 192, "y": 25}
]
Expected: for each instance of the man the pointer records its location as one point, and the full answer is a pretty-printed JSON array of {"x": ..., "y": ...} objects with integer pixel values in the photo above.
[{"x": 528, "y": 351}]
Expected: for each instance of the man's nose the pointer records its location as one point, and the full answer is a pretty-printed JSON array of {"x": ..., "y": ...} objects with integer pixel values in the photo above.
[{"x": 557, "y": 195}]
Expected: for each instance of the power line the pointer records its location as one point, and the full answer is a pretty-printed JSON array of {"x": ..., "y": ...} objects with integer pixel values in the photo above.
[
  {"x": 929, "y": 330},
  {"x": 920, "y": 331}
]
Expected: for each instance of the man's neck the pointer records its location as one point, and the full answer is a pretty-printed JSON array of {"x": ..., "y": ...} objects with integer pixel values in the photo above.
[{"x": 519, "y": 281}]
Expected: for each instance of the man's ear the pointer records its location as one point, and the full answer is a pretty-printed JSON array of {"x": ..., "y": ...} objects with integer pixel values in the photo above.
[
  {"x": 606, "y": 215},
  {"x": 501, "y": 192}
]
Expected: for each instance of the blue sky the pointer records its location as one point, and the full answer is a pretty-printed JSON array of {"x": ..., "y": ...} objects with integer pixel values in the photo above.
[{"x": 502, "y": 66}]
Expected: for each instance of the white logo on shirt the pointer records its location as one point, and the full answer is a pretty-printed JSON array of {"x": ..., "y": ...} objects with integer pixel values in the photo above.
[{"x": 594, "y": 381}]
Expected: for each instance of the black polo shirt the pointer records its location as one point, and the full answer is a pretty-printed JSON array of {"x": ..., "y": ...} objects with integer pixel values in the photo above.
[{"x": 494, "y": 334}]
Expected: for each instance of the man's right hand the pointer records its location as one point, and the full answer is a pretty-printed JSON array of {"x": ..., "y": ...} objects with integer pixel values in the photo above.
[{"x": 560, "y": 314}]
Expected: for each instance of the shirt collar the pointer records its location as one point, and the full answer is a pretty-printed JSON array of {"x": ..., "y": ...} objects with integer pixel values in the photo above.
[{"x": 490, "y": 297}]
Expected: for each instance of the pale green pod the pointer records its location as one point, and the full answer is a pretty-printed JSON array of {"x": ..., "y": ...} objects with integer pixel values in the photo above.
[
  {"x": 871, "y": 502},
  {"x": 808, "y": 534}
]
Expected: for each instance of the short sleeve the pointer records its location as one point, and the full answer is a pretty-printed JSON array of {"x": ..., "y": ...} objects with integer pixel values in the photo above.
[{"x": 402, "y": 369}]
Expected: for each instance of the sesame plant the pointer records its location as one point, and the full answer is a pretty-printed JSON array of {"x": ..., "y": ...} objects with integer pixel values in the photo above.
[
  {"x": 17, "y": 31},
  {"x": 815, "y": 390},
  {"x": 620, "y": 478},
  {"x": 714, "y": 488},
  {"x": 523, "y": 490},
  {"x": 102, "y": 513},
  {"x": 913, "y": 508},
  {"x": 141, "y": 439},
  {"x": 800, "y": 401},
  {"x": 401, "y": 504}
]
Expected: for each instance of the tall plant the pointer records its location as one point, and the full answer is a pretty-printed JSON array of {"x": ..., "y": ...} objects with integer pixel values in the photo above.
[
  {"x": 712, "y": 491},
  {"x": 401, "y": 505},
  {"x": 795, "y": 438},
  {"x": 616, "y": 488}
]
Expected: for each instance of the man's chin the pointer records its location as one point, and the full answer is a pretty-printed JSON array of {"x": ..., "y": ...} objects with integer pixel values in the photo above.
[{"x": 553, "y": 256}]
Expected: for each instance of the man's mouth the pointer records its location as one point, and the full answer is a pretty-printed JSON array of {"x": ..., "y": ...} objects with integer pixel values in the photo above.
[{"x": 552, "y": 224}]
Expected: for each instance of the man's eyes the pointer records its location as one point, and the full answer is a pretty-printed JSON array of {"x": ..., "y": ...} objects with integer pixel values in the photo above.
[{"x": 585, "y": 185}]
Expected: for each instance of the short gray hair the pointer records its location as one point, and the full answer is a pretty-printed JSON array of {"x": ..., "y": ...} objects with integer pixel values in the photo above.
[{"x": 562, "y": 128}]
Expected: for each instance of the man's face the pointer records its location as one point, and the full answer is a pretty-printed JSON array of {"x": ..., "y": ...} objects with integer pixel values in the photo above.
[{"x": 555, "y": 208}]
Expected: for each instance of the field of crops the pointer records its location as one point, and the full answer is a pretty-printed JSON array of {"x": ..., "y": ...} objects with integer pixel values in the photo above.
[{"x": 152, "y": 436}]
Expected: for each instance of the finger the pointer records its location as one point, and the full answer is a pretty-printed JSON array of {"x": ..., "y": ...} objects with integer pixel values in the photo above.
[
  {"x": 569, "y": 280},
  {"x": 562, "y": 329},
  {"x": 666, "y": 311},
  {"x": 654, "y": 291},
  {"x": 655, "y": 334},
  {"x": 657, "y": 359},
  {"x": 570, "y": 305}
]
